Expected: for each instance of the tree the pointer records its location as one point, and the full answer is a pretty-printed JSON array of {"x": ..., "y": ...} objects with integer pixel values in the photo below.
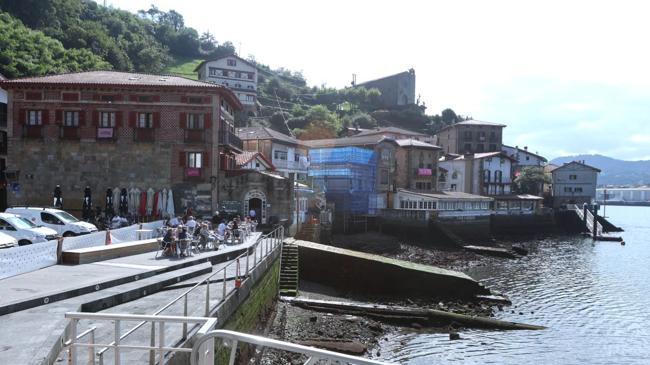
[
  {"x": 531, "y": 180},
  {"x": 359, "y": 120},
  {"x": 449, "y": 116},
  {"x": 316, "y": 130}
]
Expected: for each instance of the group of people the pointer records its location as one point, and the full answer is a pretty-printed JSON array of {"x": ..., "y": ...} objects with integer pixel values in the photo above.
[{"x": 181, "y": 232}]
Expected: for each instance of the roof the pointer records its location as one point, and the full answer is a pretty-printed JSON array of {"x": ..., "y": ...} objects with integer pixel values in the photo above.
[
  {"x": 249, "y": 133},
  {"x": 474, "y": 122},
  {"x": 415, "y": 143},
  {"x": 348, "y": 141},
  {"x": 478, "y": 156},
  {"x": 550, "y": 167},
  {"x": 383, "y": 78},
  {"x": 367, "y": 132},
  {"x": 566, "y": 164},
  {"x": 517, "y": 197},
  {"x": 247, "y": 156},
  {"x": 221, "y": 58},
  {"x": 528, "y": 152},
  {"x": 448, "y": 195},
  {"x": 120, "y": 79}
]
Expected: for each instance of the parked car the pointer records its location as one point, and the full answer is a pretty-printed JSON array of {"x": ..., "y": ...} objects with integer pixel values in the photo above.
[
  {"x": 62, "y": 222},
  {"x": 6, "y": 241},
  {"x": 23, "y": 230}
]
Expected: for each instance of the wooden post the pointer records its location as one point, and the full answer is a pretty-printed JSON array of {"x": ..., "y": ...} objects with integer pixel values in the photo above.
[
  {"x": 584, "y": 218},
  {"x": 595, "y": 225}
]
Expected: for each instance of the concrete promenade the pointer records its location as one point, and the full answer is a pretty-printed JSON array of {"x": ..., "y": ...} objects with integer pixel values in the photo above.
[{"x": 132, "y": 284}]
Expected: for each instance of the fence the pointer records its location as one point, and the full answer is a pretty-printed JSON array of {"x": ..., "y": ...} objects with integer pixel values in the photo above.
[
  {"x": 242, "y": 265},
  {"x": 23, "y": 259}
]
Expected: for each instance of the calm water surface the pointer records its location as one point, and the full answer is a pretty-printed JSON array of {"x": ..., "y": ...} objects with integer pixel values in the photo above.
[{"x": 594, "y": 297}]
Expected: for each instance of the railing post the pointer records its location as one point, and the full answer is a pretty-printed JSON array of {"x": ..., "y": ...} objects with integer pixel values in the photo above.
[
  {"x": 247, "y": 256},
  {"x": 595, "y": 225},
  {"x": 207, "y": 297},
  {"x": 73, "y": 340},
  {"x": 255, "y": 254},
  {"x": 185, "y": 315},
  {"x": 117, "y": 342},
  {"x": 584, "y": 217},
  {"x": 233, "y": 352},
  {"x": 161, "y": 342},
  {"x": 223, "y": 297},
  {"x": 152, "y": 343},
  {"x": 91, "y": 349}
]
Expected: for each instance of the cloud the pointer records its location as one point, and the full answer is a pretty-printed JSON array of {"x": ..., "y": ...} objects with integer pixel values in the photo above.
[
  {"x": 577, "y": 106},
  {"x": 640, "y": 138}
]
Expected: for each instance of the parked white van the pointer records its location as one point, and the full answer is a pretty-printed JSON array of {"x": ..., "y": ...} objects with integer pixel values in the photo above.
[
  {"x": 23, "y": 230},
  {"x": 6, "y": 241},
  {"x": 62, "y": 222}
]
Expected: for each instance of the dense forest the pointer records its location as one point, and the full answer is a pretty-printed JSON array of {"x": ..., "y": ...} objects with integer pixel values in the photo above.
[{"x": 40, "y": 37}]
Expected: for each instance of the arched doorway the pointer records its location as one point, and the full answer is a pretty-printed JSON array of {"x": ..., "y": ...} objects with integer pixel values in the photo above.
[{"x": 256, "y": 200}]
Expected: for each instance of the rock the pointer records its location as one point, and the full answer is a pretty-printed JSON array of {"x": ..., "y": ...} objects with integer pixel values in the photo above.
[
  {"x": 313, "y": 319},
  {"x": 521, "y": 313},
  {"x": 454, "y": 336},
  {"x": 319, "y": 332}
]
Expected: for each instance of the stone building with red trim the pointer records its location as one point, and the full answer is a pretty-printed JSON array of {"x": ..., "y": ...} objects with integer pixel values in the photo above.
[{"x": 108, "y": 129}]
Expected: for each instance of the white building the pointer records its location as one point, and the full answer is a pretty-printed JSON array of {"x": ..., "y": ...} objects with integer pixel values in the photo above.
[
  {"x": 523, "y": 157},
  {"x": 235, "y": 73},
  {"x": 627, "y": 195},
  {"x": 444, "y": 204},
  {"x": 574, "y": 183},
  {"x": 487, "y": 173}
]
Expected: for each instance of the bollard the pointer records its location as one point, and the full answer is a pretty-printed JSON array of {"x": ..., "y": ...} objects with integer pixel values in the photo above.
[{"x": 59, "y": 250}]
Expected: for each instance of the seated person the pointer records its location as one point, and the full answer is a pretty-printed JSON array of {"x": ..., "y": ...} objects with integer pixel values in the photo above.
[
  {"x": 235, "y": 228},
  {"x": 183, "y": 240},
  {"x": 221, "y": 229},
  {"x": 168, "y": 243},
  {"x": 191, "y": 224},
  {"x": 174, "y": 222}
]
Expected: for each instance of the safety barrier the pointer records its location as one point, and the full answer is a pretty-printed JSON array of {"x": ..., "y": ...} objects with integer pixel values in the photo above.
[
  {"x": 242, "y": 264},
  {"x": 23, "y": 259}
]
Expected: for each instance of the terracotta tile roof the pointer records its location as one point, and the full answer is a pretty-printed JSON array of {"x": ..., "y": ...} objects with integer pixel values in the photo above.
[
  {"x": 415, "y": 143},
  {"x": 474, "y": 122},
  {"x": 348, "y": 141},
  {"x": 266, "y": 133},
  {"x": 114, "y": 78},
  {"x": 395, "y": 130},
  {"x": 566, "y": 164},
  {"x": 245, "y": 157}
]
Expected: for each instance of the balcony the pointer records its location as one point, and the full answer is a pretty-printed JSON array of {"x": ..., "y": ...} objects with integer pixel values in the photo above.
[
  {"x": 69, "y": 133},
  {"x": 194, "y": 135},
  {"x": 144, "y": 134},
  {"x": 231, "y": 140},
  {"x": 33, "y": 131}
]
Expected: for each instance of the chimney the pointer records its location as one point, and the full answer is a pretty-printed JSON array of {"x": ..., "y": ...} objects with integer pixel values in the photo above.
[{"x": 525, "y": 148}]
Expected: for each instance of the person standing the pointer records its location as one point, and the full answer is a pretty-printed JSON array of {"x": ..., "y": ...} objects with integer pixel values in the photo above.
[
  {"x": 252, "y": 214},
  {"x": 110, "y": 212},
  {"x": 87, "y": 207},
  {"x": 58, "y": 197}
]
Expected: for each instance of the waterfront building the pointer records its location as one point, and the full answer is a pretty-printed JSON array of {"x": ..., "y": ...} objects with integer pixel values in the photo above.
[
  {"x": 396, "y": 90},
  {"x": 288, "y": 155},
  {"x": 574, "y": 183},
  {"x": 523, "y": 157},
  {"x": 471, "y": 136},
  {"x": 357, "y": 174},
  {"x": 444, "y": 204},
  {"x": 235, "y": 73},
  {"x": 623, "y": 195},
  {"x": 416, "y": 165},
  {"x": 487, "y": 173},
  {"x": 118, "y": 129}
]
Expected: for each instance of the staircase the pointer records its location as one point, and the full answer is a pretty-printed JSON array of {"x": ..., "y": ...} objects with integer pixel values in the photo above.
[{"x": 289, "y": 270}]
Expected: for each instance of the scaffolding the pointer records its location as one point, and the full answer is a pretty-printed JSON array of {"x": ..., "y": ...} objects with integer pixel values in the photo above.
[{"x": 347, "y": 176}]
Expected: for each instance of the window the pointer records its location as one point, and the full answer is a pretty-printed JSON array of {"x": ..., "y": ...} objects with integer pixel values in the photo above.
[
  {"x": 6, "y": 226},
  {"x": 232, "y": 62},
  {"x": 34, "y": 117},
  {"x": 527, "y": 158},
  {"x": 109, "y": 98},
  {"x": 454, "y": 175},
  {"x": 145, "y": 120},
  {"x": 195, "y": 100},
  {"x": 467, "y": 135},
  {"x": 486, "y": 175},
  {"x": 468, "y": 148},
  {"x": 195, "y": 121},
  {"x": 107, "y": 120},
  {"x": 480, "y": 148},
  {"x": 573, "y": 177},
  {"x": 578, "y": 190},
  {"x": 212, "y": 71},
  {"x": 280, "y": 155},
  {"x": 71, "y": 119},
  {"x": 567, "y": 189},
  {"x": 453, "y": 187},
  {"x": 296, "y": 157},
  {"x": 50, "y": 219},
  {"x": 385, "y": 154},
  {"x": 250, "y": 98},
  {"x": 249, "y": 87},
  {"x": 238, "y": 75},
  {"x": 493, "y": 147},
  {"x": 145, "y": 98},
  {"x": 238, "y": 85},
  {"x": 481, "y": 136},
  {"x": 498, "y": 175},
  {"x": 195, "y": 160},
  {"x": 384, "y": 177},
  {"x": 250, "y": 76}
]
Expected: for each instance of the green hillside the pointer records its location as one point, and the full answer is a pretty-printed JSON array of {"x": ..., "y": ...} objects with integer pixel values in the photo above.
[{"x": 183, "y": 67}]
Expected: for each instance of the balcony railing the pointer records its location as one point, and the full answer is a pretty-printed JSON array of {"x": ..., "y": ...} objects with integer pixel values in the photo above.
[
  {"x": 33, "y": 131},
  {"x": 194, "y": 135},
  {"x": 70, "y": 133},
  {"x": 144, "y": 134},
  {"x": 230, "y": 139}
]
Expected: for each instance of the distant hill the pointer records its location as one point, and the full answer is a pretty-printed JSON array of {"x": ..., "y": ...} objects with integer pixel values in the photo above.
[{"x": 614, "y": 172}]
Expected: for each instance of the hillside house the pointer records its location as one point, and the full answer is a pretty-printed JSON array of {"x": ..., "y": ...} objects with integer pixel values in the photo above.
[
  {"x": 235, "y": 73},
  {"x": 471, "y": 136},
  {"x": 574, "y": 183}
]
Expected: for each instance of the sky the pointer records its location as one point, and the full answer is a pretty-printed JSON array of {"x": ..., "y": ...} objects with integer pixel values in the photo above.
[{"x": 566, "y": 77}]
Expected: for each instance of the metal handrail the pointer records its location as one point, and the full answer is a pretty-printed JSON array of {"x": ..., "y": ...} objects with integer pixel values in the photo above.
[
  {"x": 207, "y": 282},
  {"x": 313, "y": 353}
]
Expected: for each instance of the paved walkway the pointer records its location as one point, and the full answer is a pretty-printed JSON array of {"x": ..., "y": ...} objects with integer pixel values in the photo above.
[{"x": 28, "y": 336}]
